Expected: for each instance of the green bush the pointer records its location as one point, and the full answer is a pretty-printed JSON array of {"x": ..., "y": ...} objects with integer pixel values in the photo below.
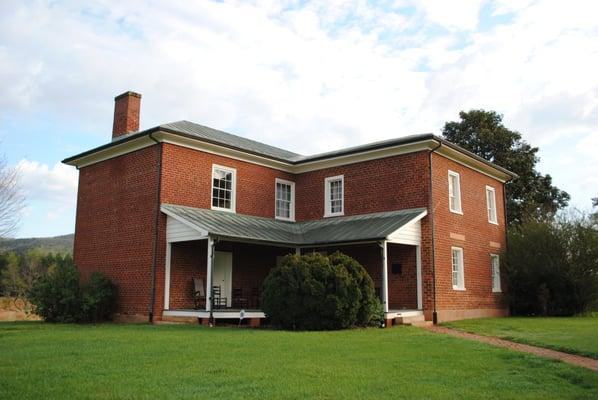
[
  {"x": 58, "y": 296},
  {"x": 552, "y": 267},
  {"x": 316, "y": 292},
  {"x": 98, "y": 299}
]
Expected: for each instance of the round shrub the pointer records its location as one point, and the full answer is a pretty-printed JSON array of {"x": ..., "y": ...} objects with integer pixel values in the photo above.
[
  {"x": 58, "y": 296},
  {"x": 317, "y": 292},
  {"x": 98, "y": 299}
]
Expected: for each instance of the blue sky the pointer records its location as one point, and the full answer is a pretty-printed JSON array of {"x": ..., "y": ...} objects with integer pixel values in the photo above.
[{"x": 308, "y": 76}]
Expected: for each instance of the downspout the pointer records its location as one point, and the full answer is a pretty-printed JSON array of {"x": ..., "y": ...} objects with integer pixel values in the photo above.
[
  {"x": 431, "y": 214},
  {"x": 156, "y": 232}
]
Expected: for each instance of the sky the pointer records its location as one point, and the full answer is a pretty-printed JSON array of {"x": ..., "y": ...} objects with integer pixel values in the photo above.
[{"x": 306, "y": 76}]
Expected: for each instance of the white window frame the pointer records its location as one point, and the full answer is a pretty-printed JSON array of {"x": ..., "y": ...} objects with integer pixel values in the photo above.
[
  {"x": 495, "y": 271},
  {"x": 451, "y": 192},
  {"x": 291, "y": 206},
  {"x": 327, "y": 203},
  {"x": 233, "y": 194},
  {"x": 460, "y": 269},
  {"x": 492, "y": 212}
]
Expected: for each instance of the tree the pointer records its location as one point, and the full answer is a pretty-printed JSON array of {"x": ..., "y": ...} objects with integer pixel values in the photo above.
[
  {"x": 552, "y": 266},
  {"x": 11, "y": 200},
  {"x": 531, "y": 196}
]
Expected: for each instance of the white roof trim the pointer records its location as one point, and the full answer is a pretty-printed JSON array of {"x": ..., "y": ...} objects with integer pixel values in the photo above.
[
  {"x": 335, "y": 161},
  {"x": 408, "y": 224},
  {"x": 201, "y": 231}
]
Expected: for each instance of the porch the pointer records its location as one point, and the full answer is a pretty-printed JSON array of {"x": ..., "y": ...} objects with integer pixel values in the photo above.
[{"x": 221, "y": 251}]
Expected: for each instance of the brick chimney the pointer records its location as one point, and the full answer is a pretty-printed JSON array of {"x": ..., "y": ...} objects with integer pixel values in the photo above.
[{"x": 126, "y": 113}]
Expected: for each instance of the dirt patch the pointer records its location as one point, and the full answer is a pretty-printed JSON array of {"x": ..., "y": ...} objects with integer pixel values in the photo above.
[
  {"x": 11, "y": 310},
  {"x": 579, "y": 361}
]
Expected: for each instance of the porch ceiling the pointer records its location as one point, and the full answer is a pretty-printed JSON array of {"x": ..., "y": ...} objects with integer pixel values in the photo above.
[{"x": 365, "y": 227}]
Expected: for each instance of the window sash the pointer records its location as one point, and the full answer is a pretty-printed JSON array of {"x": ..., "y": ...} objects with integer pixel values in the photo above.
[
  {"x": 284, "y": 200},
  {"x": 454, "y": 190},
  {"x": 223, "y": 188},
  {"x": 457, "y": 268},
  {"x": 495, "y": 265},
  {"x": 491, "y": 204},
  {"x": 334, "y": 196}
]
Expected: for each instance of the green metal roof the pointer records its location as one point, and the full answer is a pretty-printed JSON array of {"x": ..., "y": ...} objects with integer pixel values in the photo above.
[{"x": 355, "y": 228}]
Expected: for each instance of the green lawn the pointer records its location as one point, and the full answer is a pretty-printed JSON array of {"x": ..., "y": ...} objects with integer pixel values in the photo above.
[
  {"x": 578, "y": 335},
  {"x": 43, "y": 361}
]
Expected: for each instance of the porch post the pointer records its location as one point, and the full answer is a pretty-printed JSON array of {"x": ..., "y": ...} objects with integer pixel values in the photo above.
[
  {"x": 384, "y": 247},
  {"x": 298, "y": 251},
  {"x": 209, "y": 267},
  {"x": 418, "y": 265},
  {"x": 167, "y": 276}
]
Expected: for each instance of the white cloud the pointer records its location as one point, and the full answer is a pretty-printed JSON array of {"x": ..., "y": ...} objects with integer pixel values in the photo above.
[
  {"x": 56, "y": 185},
  {"x": 306, "y": 76}
]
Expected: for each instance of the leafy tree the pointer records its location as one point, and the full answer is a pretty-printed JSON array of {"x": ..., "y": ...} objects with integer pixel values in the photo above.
[
  {"x": 552, "y": 266},
  {"x": 531, "y": 196}
]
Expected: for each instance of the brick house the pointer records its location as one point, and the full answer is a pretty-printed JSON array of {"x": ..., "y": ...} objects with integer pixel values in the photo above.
[{"x": 180, "y": 207}]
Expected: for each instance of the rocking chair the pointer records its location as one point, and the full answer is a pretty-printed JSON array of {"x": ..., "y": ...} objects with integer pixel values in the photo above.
[{"x": 199, "y": 295}]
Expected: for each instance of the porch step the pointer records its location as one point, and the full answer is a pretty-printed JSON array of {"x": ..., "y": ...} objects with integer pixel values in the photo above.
[{"x": 410, "y": 319}]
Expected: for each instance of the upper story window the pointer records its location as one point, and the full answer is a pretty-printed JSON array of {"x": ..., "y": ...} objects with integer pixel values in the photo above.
[
  {"x": 491, "y": 204},
  {"x": 285, "y": 200},
  {"x": 495, "y": 265},
  {"x": 458, "y": 273},
  {"x": 223, "y": 188},
  {"x": 454, "y": 182},
  {"x": 334, "y": 196}
]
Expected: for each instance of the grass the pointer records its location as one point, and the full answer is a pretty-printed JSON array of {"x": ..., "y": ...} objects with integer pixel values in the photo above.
[
  {"x": 576, "y": 335},
  {"x": 141, "y": 361}
]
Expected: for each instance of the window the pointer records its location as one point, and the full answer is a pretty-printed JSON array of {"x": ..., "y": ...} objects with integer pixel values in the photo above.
[
  {"x": 495, "y": 265},
  {"x": 454, "y": 192},
  {"x": 491, "y": 204},
  {"x": 458, "y": 278},
  {"x": 223, "y": 188},
  {"x": 334, "y": 196},
  {"x": 285, "y": 200}
]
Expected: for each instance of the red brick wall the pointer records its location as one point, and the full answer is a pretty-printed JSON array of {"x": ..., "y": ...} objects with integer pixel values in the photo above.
[
  {"x": 402, "y": 289},
  {"x": 187, "y": 180},
  {"x": 478, "y": 233},
  {"x": 391, "y": 183},
  {"x": 188, "y": 260},
  {"x": 251, "y": 264},
  {"x": 116, "y": 205}
]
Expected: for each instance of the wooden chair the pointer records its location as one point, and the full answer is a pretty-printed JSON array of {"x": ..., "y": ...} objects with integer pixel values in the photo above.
[
  {"x": 217, "y": 300},
  {"x": 199, "y": 295},
  {"x": 239, "y": 299}
]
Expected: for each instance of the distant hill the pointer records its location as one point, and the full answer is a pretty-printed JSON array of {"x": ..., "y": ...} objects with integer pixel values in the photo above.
[{"x": 56, "y": 244}]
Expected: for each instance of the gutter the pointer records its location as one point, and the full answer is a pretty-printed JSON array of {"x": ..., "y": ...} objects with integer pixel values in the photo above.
[
  {"x": 431, "y": 214},
  {"x": 156, "y": 232}
]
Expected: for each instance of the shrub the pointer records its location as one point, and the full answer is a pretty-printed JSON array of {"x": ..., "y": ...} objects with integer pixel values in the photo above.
[
  {"x": 98, "y": 300},
  {"x": 58, "y": 296},
  {"x": 316, "y": 292},
  {"x": 552, "y": 267}
]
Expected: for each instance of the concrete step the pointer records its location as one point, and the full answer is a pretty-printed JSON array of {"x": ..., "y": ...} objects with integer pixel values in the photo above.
[
  {"x": 422, "y": 324},
  {"x": 409, "y": 320}
]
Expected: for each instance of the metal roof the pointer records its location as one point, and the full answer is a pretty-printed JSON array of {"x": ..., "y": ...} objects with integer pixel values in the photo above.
[
  {"x": 210, "y": 135},
  {"x": 355, "y": 228}
]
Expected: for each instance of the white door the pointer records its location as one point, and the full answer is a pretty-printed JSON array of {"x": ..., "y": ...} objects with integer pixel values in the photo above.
[{"x": 223, "y": 274}]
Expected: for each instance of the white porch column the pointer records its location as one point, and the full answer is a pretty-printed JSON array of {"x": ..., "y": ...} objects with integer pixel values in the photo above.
[
  {"x": 209, "y": 268},
  {"x": 298, "y": 251},
  {"x": 418, "y": 265},
  {"x": 384, "y": 246},
  {"x": 167, "y": 276}
]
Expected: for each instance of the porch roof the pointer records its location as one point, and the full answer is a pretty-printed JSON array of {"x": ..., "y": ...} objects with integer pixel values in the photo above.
[{"x": 356, "y": 228}]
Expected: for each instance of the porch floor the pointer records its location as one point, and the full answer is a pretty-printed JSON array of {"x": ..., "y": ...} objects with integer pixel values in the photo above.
[{"x": 220, "y": 313}]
